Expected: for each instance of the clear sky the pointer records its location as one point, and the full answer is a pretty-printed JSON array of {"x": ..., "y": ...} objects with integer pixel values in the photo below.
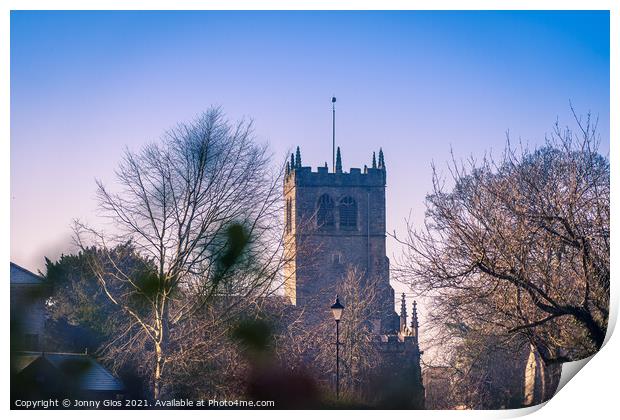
[{"x": 86, "y": 84}]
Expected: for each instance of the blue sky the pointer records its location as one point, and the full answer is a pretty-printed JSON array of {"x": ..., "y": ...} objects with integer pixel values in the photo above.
[{"x": 86, "y": 84}]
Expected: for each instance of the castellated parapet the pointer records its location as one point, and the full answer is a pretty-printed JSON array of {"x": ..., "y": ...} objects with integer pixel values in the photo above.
[{"x": 370, "y": 177}]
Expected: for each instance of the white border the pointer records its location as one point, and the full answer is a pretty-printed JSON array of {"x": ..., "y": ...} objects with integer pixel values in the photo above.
[{"x": 593, "y": 395}]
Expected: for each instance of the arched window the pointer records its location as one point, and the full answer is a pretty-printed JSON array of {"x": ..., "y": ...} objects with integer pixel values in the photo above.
[
  {"x": 325, "y": 212},
  {"x": 348, "y": 213}
]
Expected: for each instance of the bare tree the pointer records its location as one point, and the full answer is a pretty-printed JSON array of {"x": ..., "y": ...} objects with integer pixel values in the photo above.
[
  {"x": 307, "y": 336},
  {"x": 204, "y": 207},
  {"x": 519, "y": 249}
]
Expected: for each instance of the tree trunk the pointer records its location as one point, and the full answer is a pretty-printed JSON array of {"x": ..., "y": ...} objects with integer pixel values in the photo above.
[
  {"x": 529, "y": 384},
  {"x": 161, "y": 348},
  {"x": 159, "y": 366}
]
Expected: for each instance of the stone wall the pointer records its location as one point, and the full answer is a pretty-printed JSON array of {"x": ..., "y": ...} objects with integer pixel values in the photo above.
[
  {"x": 398, "y": 377},
  {"x": 320, "y": 256}
]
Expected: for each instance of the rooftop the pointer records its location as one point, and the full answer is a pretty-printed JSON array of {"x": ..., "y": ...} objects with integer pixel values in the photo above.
[
  {"x": 83, "y": 370},
  {"x": 19, "y": 275}
]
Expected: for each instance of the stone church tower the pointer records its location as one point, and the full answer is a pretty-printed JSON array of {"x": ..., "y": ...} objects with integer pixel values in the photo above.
[{"x": 336, "y": 221}]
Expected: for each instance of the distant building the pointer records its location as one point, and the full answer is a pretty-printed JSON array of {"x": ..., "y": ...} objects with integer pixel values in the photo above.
[
  {"x": 36, "y": 373},
  {"x": 27, "y": 309},
  {"x": 401, "y": 362},
  {"x": 39, "y": 375},
  {"x": 500, "y": 378},
  {"x": 335, "y": 221}
]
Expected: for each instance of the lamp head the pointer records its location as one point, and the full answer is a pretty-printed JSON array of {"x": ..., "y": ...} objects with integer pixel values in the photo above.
[{"x": 337, "y": 309}]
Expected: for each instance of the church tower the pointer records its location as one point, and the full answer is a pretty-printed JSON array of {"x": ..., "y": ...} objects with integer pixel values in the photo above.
[{"x": 336, "y": 221}]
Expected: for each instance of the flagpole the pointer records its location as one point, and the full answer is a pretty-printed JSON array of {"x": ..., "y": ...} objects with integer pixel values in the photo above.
[{"x": 334, "y": 134}]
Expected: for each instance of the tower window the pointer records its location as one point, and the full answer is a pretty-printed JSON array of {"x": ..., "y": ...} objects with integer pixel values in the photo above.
[
  {"x": 325, "y": 212},
  {"x": 289, "y": 216},
  {"x": 348, "y": 213}
]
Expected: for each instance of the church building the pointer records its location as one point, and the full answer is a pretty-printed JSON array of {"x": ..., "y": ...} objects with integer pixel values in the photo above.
[{"x": 334, "y": 221}]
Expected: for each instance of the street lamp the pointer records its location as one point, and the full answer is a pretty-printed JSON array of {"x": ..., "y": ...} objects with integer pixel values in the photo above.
[{"x": 337, "y": 309}]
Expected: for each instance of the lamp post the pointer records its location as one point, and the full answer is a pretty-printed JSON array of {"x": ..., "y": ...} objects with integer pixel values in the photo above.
[{"x": 337, "y": 309}]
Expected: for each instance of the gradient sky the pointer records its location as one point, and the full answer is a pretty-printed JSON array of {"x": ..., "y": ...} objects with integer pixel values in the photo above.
[{"x": 86, "y": 84}]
